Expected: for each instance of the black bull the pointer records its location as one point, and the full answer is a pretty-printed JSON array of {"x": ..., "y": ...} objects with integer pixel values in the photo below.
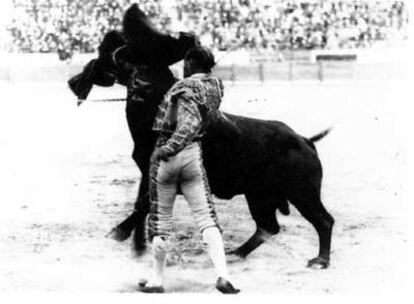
[{"x": 264, "y": 160}]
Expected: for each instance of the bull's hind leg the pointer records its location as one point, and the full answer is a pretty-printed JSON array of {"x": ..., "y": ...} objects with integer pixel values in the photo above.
[
  {"x": 310, "y": 206},
  {"x": 263, "y": 211}
]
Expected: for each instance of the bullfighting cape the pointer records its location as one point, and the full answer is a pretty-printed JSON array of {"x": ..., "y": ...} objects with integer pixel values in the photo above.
[
  {"x": 147, "y": 45},
  {"x": 139, "y": 43}
]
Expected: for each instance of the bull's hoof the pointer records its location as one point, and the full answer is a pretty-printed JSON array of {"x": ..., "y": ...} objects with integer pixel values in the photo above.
[
  {"x": 236, "y": 253},
  {"x": 118, "y": 234},
  {"x": 234, "y": 259},
  {"x": 318, "y": 263}
]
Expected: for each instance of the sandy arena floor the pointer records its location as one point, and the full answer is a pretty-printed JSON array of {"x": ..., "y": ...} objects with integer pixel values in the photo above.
[{"x": 67, "y": 178}]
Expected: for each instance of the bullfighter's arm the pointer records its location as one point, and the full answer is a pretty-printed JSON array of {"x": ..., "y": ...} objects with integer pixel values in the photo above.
[{"x": 188, "y": 125}]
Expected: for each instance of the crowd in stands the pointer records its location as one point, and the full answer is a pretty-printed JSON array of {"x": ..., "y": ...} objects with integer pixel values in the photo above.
[{"x": 77, "y": 26}]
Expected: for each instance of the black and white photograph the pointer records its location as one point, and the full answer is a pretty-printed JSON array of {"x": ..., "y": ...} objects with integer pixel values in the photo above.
[{"x": 179, "y": 147}]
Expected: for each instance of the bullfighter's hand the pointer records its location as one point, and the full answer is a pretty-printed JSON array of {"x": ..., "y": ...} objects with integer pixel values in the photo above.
[{"x": 159, "y": 154}]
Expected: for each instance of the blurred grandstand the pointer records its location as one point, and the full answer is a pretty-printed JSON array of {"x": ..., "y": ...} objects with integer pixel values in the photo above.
[
  {"x": 76, "y": 26},
  {"x": 254, "y": 40}
]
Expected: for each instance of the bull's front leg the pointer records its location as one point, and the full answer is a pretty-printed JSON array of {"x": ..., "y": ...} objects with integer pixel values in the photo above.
[
  {"x": 142, "y": 209},
  {"x": 135, "y": 220},
  {"x": 257, "y": 239}
]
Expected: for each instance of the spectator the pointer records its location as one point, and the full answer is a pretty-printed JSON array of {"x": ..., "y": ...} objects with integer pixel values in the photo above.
[{"x": 76, "y": 26}]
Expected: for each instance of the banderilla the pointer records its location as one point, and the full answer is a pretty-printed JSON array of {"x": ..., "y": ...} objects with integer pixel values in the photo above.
[{"x": 81, "y": 101}]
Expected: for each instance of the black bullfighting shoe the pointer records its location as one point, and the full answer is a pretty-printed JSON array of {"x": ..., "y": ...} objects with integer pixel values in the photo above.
[
  {"x": 142, "y": 286},
  {"x": 225, "y": 286}
]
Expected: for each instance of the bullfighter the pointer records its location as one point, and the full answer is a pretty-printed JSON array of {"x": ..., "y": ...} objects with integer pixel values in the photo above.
[{"x": 181, "y": 121}]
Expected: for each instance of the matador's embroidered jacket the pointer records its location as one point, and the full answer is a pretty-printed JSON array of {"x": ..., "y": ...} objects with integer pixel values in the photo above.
[{"x": 186, "y": 111}]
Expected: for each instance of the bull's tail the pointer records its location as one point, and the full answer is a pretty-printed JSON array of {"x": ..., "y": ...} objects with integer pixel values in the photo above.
[{"x": 320, "y": 135}]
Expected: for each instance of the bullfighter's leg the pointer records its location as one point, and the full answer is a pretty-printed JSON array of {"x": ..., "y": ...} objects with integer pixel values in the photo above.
[
  {"x": 311, "y": 208},
  {"x": 263, "y": 211}
]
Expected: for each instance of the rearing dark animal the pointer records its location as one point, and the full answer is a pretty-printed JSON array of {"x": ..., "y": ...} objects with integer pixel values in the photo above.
[{"x": 264, "y": 160}]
